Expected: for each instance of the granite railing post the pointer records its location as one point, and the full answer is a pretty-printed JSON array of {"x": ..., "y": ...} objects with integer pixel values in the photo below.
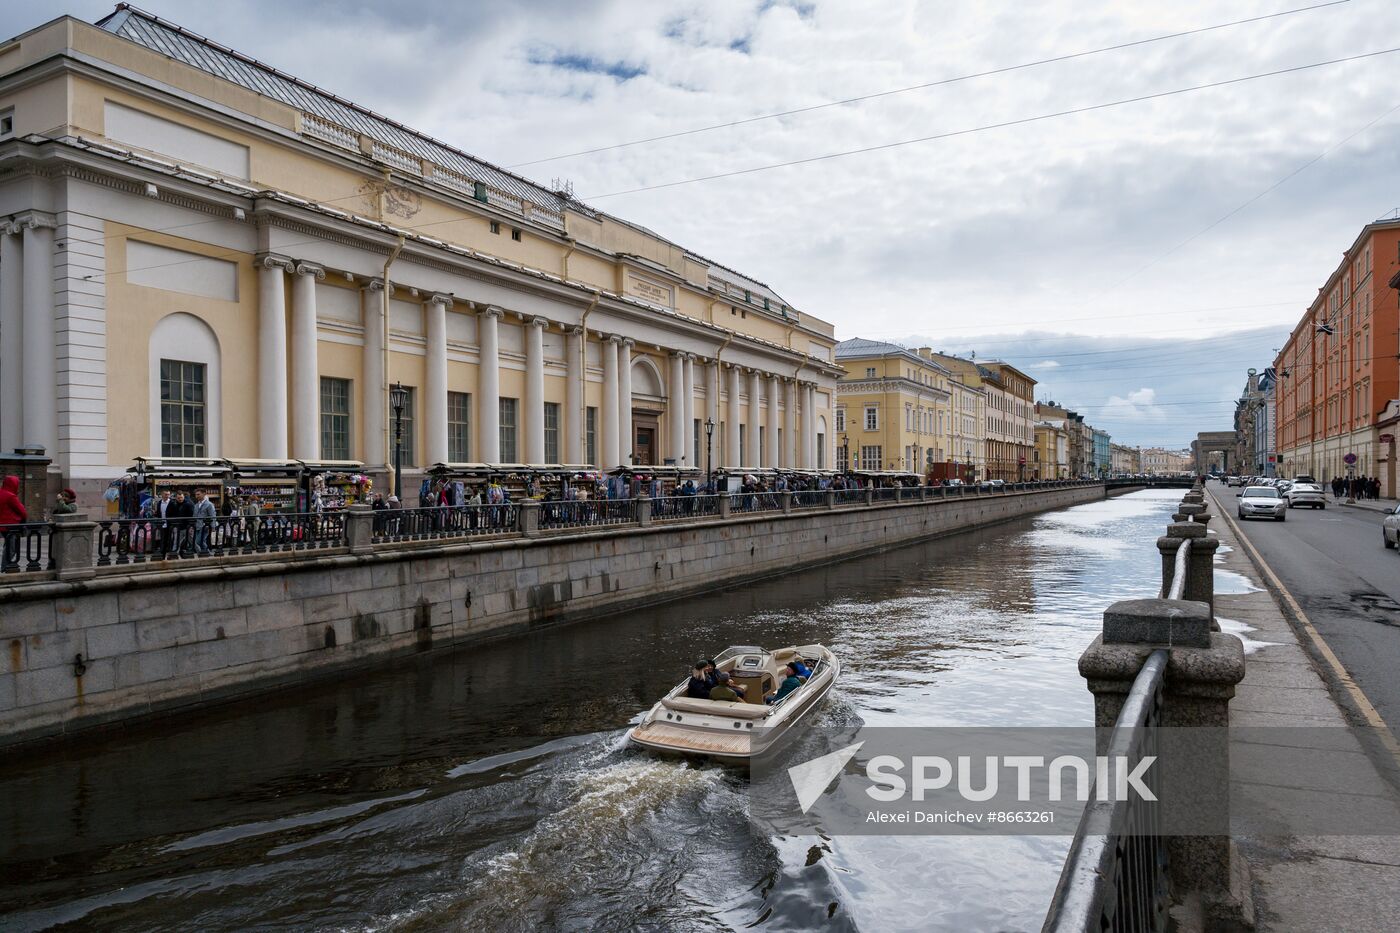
[
  {"x": 898, "y": 493},
  {"x": 785, "y": 500},
  {"x": 1203, "y": 668},
  {"x": 643, "y": 510},
  {"x": 530, "y": 517},
  {"x": 359, "y": 528},
  {"x": 869, "y": 495},
  {"x": 725, "y": 502},
  {"x": 830, "y": 499},
  {"x": 72, "y": 546},
  {"x": 1200, "y": 573}
]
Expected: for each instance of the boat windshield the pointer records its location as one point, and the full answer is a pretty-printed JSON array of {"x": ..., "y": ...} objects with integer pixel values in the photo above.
[{"x": 735, "y": 651}]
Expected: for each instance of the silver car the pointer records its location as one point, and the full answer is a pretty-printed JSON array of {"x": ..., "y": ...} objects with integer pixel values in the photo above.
[
  {"x": 1308, "y": 494},
  {"x": 1390, "y": 528},
  {"x": 1262, "y": 502}
]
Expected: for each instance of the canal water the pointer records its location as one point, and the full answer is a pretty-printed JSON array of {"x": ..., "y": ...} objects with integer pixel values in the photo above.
[{"x": 490, "y": 789}]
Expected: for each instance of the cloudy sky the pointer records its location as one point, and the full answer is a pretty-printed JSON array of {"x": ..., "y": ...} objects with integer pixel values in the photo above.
[{"x": 1135, "y": 258}]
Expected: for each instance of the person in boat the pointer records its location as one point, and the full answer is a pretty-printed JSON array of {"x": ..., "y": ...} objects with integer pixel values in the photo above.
[
  {"x": 699, "y": 686},
  {"x": 789, "y": 684},
  {"x": 724, "y": 691},
  {"x": 712, "y": 675},
  {"x": 804, "y": 673}
]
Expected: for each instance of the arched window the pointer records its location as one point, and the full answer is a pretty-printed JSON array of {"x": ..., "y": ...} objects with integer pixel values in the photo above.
[{"x": 185, "y": 380}]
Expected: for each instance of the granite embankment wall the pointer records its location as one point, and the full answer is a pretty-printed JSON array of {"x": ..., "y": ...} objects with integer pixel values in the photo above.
[{"x": 84, "y": 653}]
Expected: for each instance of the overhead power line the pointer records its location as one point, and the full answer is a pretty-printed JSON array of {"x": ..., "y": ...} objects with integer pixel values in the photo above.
[
  {"x": 926, "y": 85},
  {"x": 995, "y": 126}
]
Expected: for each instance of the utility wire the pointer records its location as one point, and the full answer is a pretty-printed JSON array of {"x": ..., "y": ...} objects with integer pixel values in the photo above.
[
  {"x": 994, "y": 126},
  {"x": 929, "y": 84}
]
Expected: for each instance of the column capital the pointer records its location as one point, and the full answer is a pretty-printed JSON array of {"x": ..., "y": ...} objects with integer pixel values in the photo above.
[
  {"x": 575, "y": 331},
  {"x": 539, "y": 322},
  {"x": 273, "y": 261},
  {"x": 440, "y": 298},
  {"x": 491, "y": 311},
  {"x": 34, "y": 220},
  {"x": 375, "y": 285},
  {"x": 614, "y": 338},
  {"x": 310, "y": 268},
  {"x": 628, "y": 342}
]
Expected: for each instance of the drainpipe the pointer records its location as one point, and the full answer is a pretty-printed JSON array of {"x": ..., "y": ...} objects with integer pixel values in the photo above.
[
  {"x": 583, "y": 364},
  {"x": 384, "y": 388},
  {"x": 573, "y": 245}
]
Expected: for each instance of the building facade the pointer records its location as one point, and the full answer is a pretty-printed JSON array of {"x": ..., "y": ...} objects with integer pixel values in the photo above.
[
  {"x": 203, "y": 257},
  {"x": 1339, "y": 368},
  {"x": 1124, "y": 459},
  {"x": 1159, "y": 461},
  {"x": 1008, "y": 421},
  {"x": 1051, "y": 451},
  {"x": 1079, "y": 436},
  {"x": 894, "y": 409},
  {"x": 1103, "y": 454}
]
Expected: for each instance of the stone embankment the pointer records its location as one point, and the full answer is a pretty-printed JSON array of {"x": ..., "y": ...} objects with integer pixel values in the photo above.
[{"x": 126, "y": 643}]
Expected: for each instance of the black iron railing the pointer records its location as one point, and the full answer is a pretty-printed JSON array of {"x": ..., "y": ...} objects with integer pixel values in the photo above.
[
  {"x": 25, "y": 548},
  {"x": 668, "y": 508},
  {"x": 588, "y": 512},
  {"x": 1115, "y": 877},
  {"x": 457, "y": 521},
  {"x": 138, "y": 540}
]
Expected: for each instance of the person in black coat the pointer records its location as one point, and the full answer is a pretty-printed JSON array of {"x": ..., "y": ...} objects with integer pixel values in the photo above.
[{"x": 181, "y": 521}]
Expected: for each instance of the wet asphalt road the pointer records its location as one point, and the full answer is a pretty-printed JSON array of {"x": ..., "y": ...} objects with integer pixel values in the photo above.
[{"x": 1334, "y": 564}]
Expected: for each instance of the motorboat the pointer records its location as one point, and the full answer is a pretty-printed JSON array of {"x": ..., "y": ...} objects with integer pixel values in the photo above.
[{"x": 736, "y": 732}]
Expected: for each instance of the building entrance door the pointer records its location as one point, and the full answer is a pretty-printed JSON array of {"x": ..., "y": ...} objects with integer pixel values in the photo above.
[{"x": 646, "y": 429}]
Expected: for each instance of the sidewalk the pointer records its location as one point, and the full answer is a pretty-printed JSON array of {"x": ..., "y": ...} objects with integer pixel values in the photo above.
[
  {"x": 1302, "y": 883},
  {"x": 1370, "y": 505}
]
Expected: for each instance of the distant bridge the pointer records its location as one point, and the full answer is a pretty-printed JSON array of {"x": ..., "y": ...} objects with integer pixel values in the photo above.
[{"x": 1150, "y": 482}]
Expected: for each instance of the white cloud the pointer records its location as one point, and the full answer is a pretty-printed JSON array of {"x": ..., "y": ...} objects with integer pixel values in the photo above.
[
  {"x": 1045, "y": 364},
  {"x": 1138, "y": 406}
]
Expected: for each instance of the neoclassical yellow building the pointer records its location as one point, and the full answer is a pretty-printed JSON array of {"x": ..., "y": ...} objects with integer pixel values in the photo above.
[
  {"x": 203, "y": 256},
  {"x": 901, "y": 409}
]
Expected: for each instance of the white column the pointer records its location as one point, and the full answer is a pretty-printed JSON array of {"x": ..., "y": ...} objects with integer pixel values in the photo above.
[
  {"x": 11, "y": 337},
  {"x": 771, "y": 457},
  {"x": 675, "y": 410},
  {"x": 40, "y": 404},
  {"x": 306, "y": 377},
  {"x": 435, "y": 379},
  {"x": 690, "y": 452},
  {"x": 373, "y": 386},
  {"x": 790, "y": 458},
  {"x": 272, "y": 357},
  {"x": 711, "y": 414},
  {"x": 626, "y": 436},
  {"x": 755, "y": 419},
  {"x": 809, "y": 424},
  {"x": 733, "y": 456},
  {"x": 609, "y": 452},
  {"x": 573, "y": 397},
  {"x": 488, "y": 386},
  {"x": 534, "y": 390}
]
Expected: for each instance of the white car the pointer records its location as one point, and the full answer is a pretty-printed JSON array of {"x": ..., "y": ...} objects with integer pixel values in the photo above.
[
  {"x": 1262, "y": 502},
  {"x": 1309, "y": 494},
  {"x": 1390, "y": 529}
]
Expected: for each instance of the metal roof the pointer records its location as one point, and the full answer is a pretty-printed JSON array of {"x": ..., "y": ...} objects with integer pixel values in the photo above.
[
  {"x": 183, "y": 45},
  {"x": 192, "y": 49}
]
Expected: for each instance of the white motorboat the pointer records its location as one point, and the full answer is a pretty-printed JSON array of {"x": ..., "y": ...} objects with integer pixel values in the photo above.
[{"x": 738, "y": 731}]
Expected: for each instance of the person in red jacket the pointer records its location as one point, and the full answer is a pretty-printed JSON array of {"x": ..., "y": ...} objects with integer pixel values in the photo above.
[{"x": 12, "y": 512}]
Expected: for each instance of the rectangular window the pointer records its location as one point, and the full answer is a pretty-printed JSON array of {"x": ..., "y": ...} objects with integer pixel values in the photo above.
[
  {"x": 508, "y": 452},
  {"x": 591, "y": 435},
  {"x": 872, "y": 418},
  {"x": 699, "y": 447},
  {"x": 870, "y": 372},
  {"x": 762, "y": 444},
  {"x": 871, "y": 457},
  {"x": 840, "y": 419},
  {"x": 410, "y": 439},
  {"x": 843, "y": 457},
  {"x": 335, "y": 418},
  {"x": 743, "y": 444},
  {"x": 821, "y": 451},
  {"x": 182, "y": 415},
  {"x": 551, "y": 432},
  {"x": 459, "y": 427}
]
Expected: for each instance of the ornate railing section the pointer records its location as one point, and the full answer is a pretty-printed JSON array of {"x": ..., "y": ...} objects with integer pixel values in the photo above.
[{"x": 25, "y": 548}]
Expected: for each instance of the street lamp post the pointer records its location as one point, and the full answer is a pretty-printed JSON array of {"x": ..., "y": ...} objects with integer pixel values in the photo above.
[
  {"x": 846, "y": 446},
  {"x": 398, "y": 398},
  {"x": 709, "y": 443}
]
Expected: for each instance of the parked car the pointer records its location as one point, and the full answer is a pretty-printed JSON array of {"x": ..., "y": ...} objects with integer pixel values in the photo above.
[
  {"x": 1309, "y": 494},
  {"x": 1305, "y": 478},
  {"x": 1262, "y": 502},
  {"x": 1232, "y": 481},
  {"x": 1390, "y": 529}
]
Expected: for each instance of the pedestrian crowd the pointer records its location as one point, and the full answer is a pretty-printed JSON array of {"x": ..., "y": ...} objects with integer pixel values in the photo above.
[{"x": 1356, "y": 487}]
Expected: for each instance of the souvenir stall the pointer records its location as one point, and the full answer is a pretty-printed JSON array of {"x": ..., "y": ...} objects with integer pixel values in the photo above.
[{"x": 129, "y": 493}]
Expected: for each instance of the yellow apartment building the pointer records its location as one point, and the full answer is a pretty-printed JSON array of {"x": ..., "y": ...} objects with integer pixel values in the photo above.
[
  {"x": 894, "y": 409},
  {"x": 1008, "y": 419},
  {"x": 203, "y": 256},
  {"x": 1051, "y": 451}
]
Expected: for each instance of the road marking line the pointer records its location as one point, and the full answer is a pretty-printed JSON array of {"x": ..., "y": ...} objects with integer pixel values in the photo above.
[{"x": 1358, "y": 696}]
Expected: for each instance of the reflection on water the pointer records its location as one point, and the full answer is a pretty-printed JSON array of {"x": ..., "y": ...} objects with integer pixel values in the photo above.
[{"x": 490, "y": 788}]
